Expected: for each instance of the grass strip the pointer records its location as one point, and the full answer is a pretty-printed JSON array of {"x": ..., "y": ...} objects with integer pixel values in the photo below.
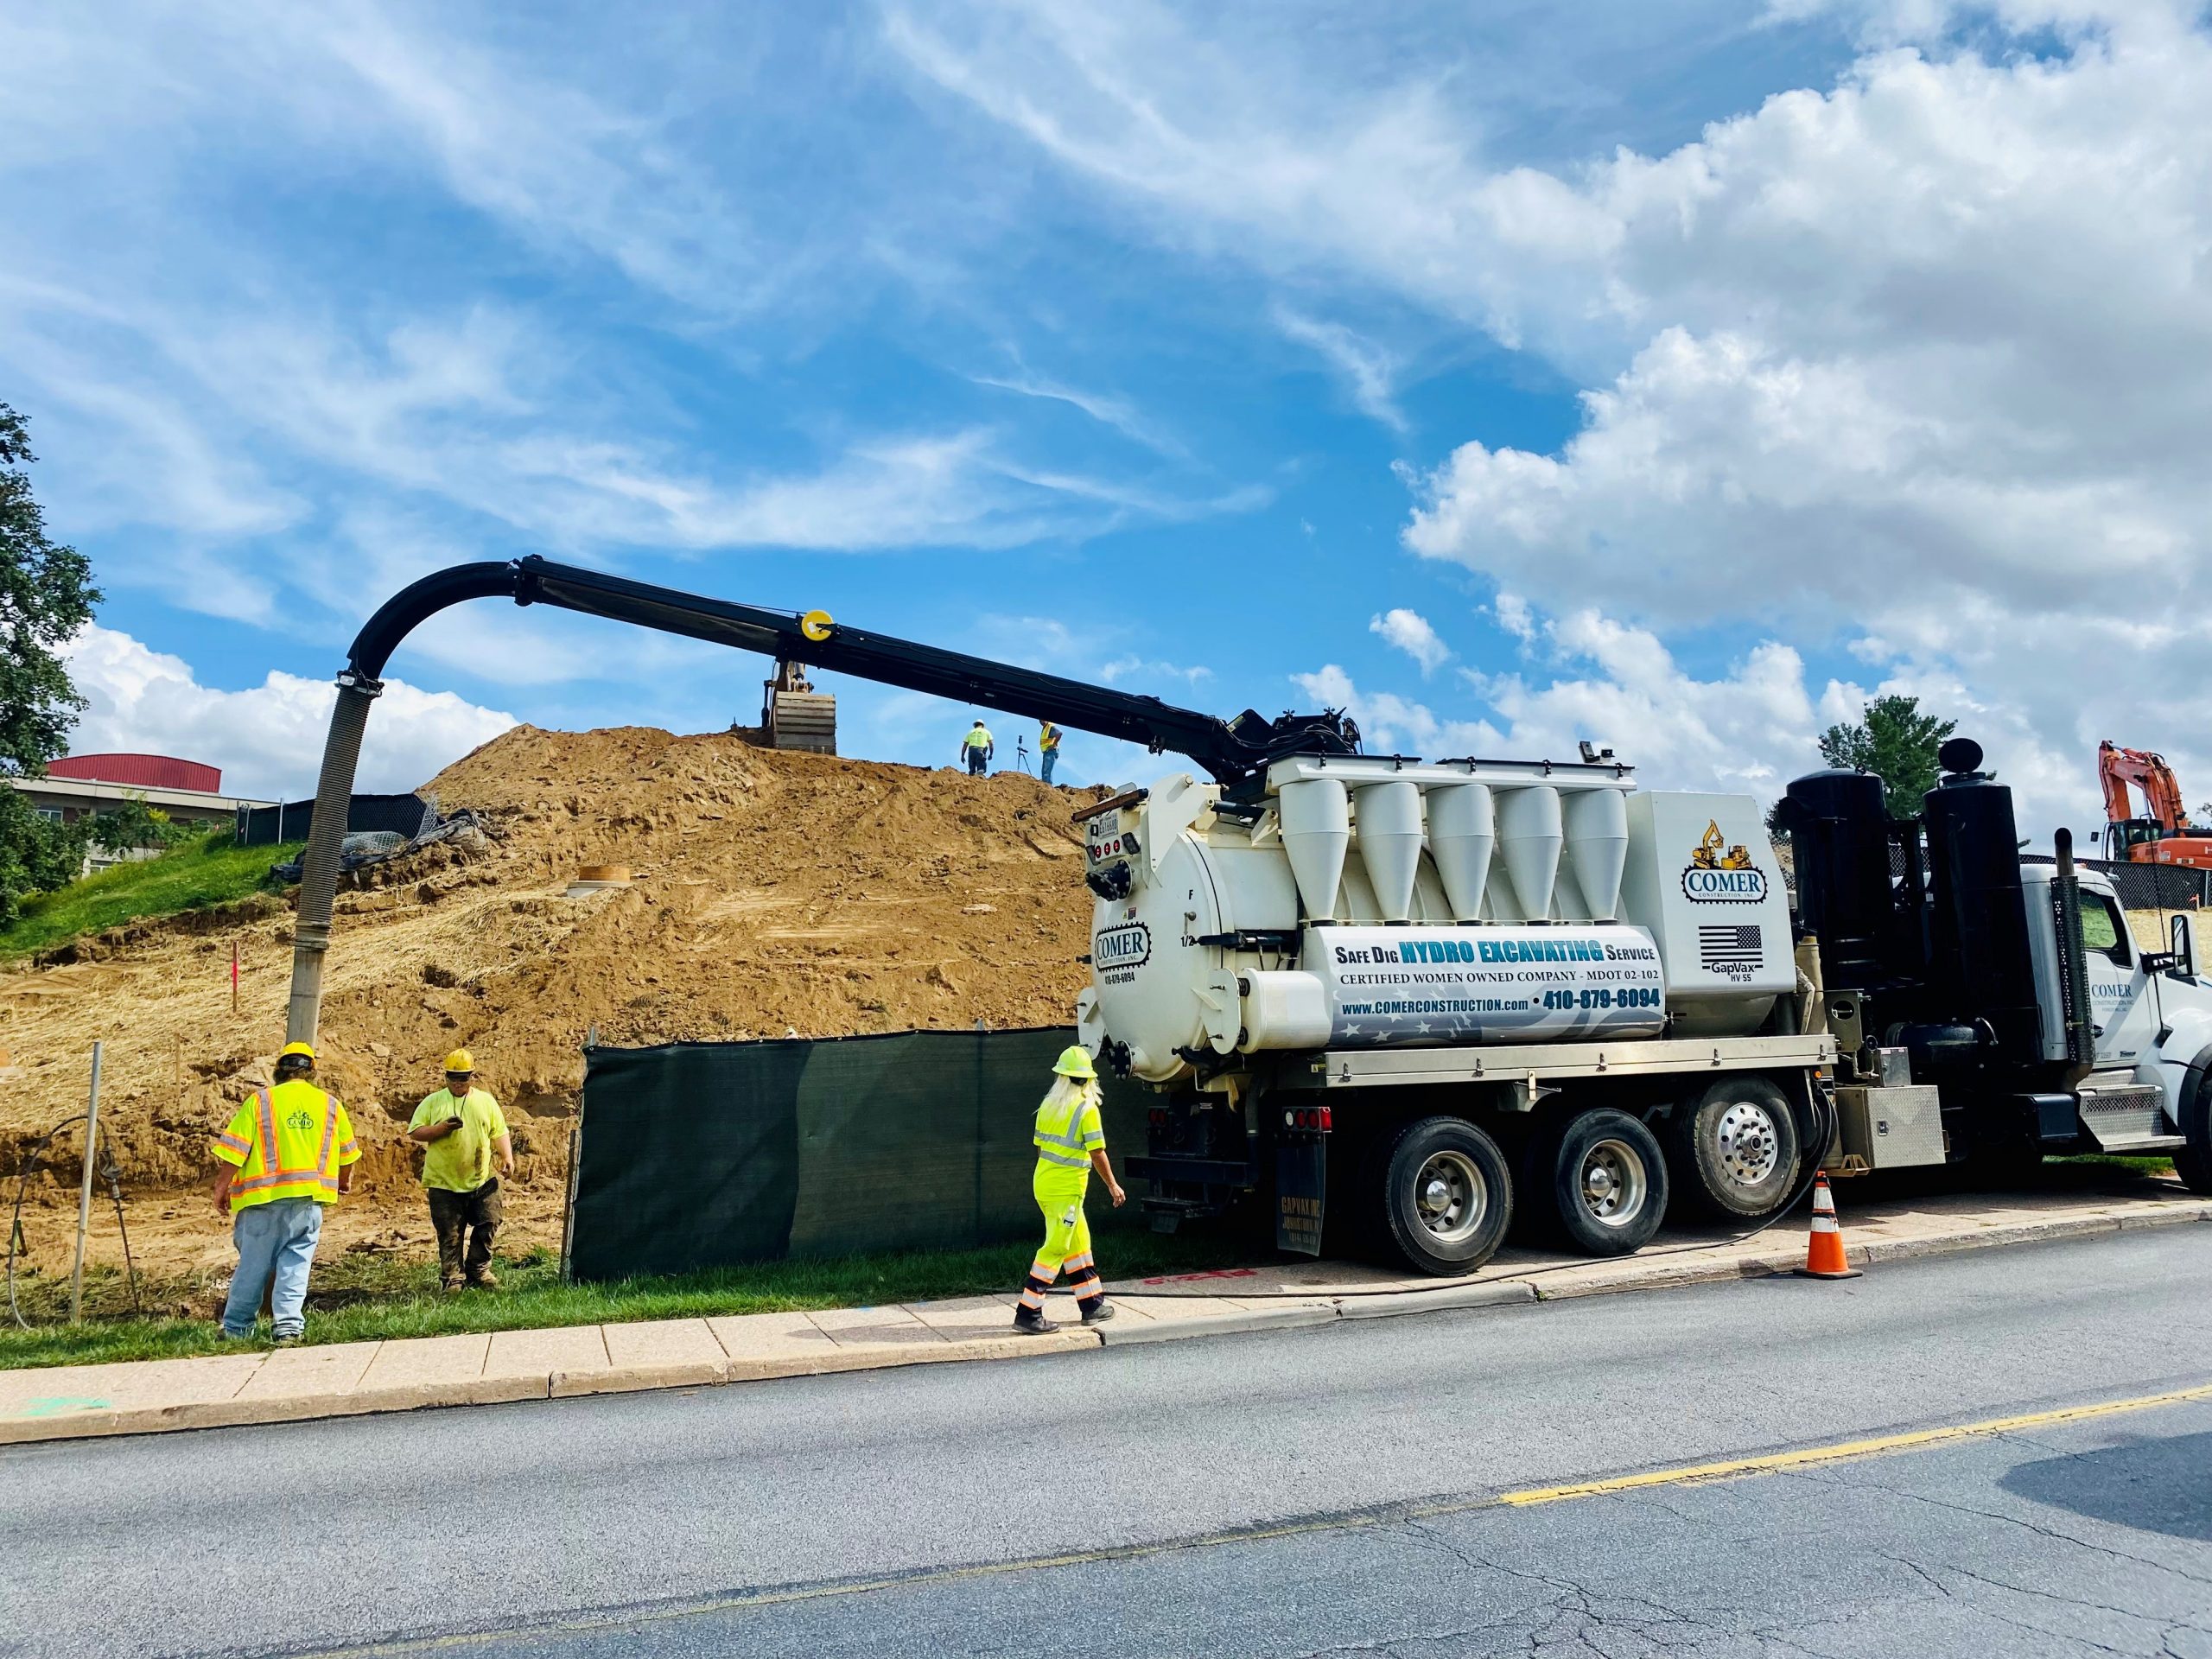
[
  {"x": 362, "y": 1298},
  {"x": 195, "y": 875}
]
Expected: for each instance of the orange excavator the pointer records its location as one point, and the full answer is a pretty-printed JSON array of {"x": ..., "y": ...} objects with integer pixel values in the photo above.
[{"x": 2166, "y": 836}]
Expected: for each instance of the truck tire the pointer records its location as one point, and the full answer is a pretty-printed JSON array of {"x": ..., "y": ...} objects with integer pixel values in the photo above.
[
  {"x": 1601, "y": 1180},
  {"x": 1441, "y": 1195},
  {"x": 1734, "y": 1147},
  {"x": 2193, "y": 1163}
]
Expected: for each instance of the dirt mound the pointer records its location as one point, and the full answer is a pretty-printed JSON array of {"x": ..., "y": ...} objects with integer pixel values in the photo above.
[{"x": 772, "y": 893}]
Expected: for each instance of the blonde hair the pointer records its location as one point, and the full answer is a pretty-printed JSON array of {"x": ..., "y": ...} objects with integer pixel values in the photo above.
[{"x": 1064, "y": 1089}]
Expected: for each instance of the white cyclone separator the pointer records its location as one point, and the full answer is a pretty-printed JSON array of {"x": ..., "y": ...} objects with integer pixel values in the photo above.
[
  {"x": 1529, "y": 835},
  {"x": 1596, "y": 824},
  {"x": 1315, "y": 814},
  {"x": 1386, "y": 823},
  {"x": 1462, "y": 836}
]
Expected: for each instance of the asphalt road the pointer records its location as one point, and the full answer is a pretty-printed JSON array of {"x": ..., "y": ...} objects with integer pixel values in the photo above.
[{"x": 1331, "y": 1489}]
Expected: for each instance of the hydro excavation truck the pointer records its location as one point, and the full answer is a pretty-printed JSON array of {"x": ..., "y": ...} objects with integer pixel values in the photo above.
[{"x": 1427, "y": 993}]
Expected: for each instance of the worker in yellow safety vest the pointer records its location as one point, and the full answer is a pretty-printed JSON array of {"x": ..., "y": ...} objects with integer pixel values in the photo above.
[
  {"x": 289, "y": 1152},
  {"x": 461, "y": 1128},
  {"x": 1070, "y": 1143},
  {"x": 977, "y": 748},
  {"x": 1048, "y": 748}
]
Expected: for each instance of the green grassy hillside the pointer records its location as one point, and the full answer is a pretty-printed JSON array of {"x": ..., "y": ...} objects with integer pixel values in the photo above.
[{"x": 194, "y": 875}]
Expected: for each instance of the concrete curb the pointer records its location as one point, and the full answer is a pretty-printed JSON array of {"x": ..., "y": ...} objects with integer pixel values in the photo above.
[
  {"x": 1126, "y": 1331},
  {"x": 1499, "y": 1292},
  {"x": 1598, "y": 1279}
]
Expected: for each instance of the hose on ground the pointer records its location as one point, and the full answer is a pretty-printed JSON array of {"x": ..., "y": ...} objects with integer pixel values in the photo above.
[
  {"x": 109, "y": 1171},
  {"x": 1824, "y": 1123}
]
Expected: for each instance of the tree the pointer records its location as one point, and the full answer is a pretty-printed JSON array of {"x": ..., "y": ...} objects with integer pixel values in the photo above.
[
  {"x": 46, "y": 596},
  {"x": 1897, "y": 743}
]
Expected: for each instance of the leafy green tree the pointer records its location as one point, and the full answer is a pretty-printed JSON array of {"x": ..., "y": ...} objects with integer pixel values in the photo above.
[
  {"x": 46, "y": 596},
  {"x": 131, "y": 824},
  {"x": 1897, "y": 743}
]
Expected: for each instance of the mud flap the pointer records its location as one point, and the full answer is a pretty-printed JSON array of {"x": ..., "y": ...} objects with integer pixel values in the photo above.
[{"x": 1300, "y": 1193}]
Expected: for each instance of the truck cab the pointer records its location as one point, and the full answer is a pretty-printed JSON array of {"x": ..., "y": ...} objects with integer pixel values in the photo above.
[{"x": 2150, "y": 1012}]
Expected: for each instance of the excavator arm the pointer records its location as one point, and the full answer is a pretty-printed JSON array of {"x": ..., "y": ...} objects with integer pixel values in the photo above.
[
  {"x": 1235, "y": 752},
  {"x": 2116, "y": 768}
]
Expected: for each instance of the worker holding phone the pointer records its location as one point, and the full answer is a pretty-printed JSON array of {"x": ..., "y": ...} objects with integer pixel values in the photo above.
[{"x": 462, "y": 1128}]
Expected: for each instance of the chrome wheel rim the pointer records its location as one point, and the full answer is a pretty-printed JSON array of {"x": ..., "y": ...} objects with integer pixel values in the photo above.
[
  {"x": 1450, "y": 1196},
  {"x": 1749, "y": 1144},
  {"x": 1616, "y": 1183}
]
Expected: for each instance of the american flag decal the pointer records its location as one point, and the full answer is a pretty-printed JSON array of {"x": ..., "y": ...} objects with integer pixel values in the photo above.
[{"x": 1729, "y": 948}]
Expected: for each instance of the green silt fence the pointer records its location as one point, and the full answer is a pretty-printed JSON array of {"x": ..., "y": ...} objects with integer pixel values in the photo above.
[{"x": 705, "y": 1155}]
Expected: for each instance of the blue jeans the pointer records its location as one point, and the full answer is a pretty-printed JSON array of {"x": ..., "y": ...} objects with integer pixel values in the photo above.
[
  {"x": 1046, "y": 758},
  {"x": 275, "y": 1239}
]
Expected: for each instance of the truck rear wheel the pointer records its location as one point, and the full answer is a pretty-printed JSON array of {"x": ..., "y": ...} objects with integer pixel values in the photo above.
[
  {"x": 1446, "y": 1196},
  {"x": 1735, "y": 1147},
  {"x": 1604, "y": 1181}
]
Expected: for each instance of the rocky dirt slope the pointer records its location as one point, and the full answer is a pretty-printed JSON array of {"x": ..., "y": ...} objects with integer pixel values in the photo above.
[{"x": 772, "y": 893}]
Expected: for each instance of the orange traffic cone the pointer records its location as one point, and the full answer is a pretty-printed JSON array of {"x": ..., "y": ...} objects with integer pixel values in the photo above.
[{"x": 1824, "y": 1256}]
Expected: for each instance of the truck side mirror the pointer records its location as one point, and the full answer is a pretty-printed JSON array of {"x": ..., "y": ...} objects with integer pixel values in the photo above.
[{"x": 2182, "y": 942}]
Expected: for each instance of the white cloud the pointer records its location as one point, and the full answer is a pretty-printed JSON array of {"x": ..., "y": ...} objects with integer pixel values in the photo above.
[
  {"x": 1367, "y": 371},
  {"x": 1145, "y": 670},
  {"x": 1917, "y": 357},
  {"x": 1747, "y": 730},
  {"x": 1116, "y": 413},
  {"x": 1410, "y": 632},
  {"x": 267, "y": 739}
]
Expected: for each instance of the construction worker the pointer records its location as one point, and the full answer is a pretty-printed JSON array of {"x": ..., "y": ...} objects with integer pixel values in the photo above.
[
  {"x": 1048, "y": 748},
  {"x": 460, "y": 1127},
  {"x": 978, "y": 748},
  {"x": 288, "y": 1151},
  {"x": 1070, "y": 1143}
]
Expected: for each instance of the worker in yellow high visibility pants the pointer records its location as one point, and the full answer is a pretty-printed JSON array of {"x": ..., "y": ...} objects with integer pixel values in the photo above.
[{"x": 1070, "y": 1143}]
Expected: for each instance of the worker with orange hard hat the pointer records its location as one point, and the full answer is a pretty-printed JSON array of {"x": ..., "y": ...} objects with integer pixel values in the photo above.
[
  {"x": 288, "y": 1151},
  {"x": 1070, "y": 1143},
  {"x": 461, "y": 1127}
]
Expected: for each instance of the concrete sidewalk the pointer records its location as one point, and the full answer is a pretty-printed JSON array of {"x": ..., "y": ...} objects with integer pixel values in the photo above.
[{"x": 70, "y": 1402}]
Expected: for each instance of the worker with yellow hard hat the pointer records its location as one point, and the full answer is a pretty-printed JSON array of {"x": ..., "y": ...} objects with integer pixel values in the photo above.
[
  {"x": 288, "y": 1151},
  {"x": 461, "y": 1127},
  {"x": 1070, "y": 1143}
]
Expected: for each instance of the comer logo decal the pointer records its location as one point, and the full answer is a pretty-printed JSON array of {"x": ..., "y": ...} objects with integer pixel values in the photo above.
[
  {"x": 1719, "y": 874},
  {"x": 1123, "y": 947}
]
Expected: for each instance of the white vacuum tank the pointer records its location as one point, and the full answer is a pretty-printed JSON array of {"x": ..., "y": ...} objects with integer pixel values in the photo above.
[{"x": 1366, "y": 902}]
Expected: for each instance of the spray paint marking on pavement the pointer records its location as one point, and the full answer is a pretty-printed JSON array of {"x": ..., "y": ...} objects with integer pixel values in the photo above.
[{"x": 1389, "y": 1515}]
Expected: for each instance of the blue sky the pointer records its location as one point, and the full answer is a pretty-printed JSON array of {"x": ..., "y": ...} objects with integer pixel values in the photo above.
[{"x": 1517, "y": 375}]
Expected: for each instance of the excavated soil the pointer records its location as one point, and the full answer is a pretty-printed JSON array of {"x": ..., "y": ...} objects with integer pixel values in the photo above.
[{"x": 771, "y": 894}]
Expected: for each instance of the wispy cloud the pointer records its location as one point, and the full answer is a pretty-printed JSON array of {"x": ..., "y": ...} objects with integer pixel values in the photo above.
[
  {"x": 1369, "y": 372},
  {"x": 1117, "y": 413}
]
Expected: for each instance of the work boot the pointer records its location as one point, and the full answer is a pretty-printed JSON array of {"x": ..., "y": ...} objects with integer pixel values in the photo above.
[
  {"x": 1099, "y": 1314},
  {"x": 451, "y": 1282},
  {"x": 1032, "y": 1322},
  {"x": 485, "y": 1280}
]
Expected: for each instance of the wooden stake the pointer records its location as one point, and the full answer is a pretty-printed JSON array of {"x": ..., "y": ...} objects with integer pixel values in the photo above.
[
  {"x": 84, "y": 1193},
  {"x": 234, "y": 976}
]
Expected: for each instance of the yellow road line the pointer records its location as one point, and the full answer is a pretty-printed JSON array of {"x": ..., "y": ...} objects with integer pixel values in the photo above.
[
  {"x": 1689, "y": 1474},
  {"x": 1847, "y": 1449}
]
